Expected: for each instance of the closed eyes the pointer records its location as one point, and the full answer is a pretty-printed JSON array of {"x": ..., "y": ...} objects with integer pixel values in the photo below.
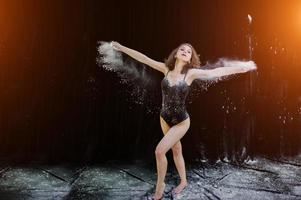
[{"x": 187, "y": 51}]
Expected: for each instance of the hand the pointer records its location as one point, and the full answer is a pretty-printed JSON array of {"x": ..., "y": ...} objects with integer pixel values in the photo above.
[
  {"x": 248, "y": 66},
  {"x": 116, "y": 45},
  {"x": 251, "y": 65}
]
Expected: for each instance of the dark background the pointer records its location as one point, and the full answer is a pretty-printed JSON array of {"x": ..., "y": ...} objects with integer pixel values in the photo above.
[{"x": 58, "y": 105}]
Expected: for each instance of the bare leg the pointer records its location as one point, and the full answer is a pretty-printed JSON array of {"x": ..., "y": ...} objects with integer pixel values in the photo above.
[
  {"x": 160, "y": 186},
  {"x": 180, "y": 165},
  {"x": 173, "y": 135},
  {"x": 178, "y": 159},
  {"x": 161, "y": 172}
]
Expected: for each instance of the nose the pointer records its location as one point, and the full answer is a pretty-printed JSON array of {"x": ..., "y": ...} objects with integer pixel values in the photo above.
[{"x": 186, "y": 52}]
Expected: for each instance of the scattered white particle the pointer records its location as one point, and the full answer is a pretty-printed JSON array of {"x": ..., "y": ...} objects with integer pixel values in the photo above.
[{"x": 249, "y": 18}]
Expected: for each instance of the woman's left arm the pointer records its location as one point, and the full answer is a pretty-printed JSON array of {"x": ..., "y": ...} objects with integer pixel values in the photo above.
[{"x": 229, "y": 68}]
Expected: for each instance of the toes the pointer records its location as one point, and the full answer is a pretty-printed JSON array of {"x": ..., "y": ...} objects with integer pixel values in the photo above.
[
  {"x": 162, "y": 188},
  {"x": 154, "y": 198},
  {"x": 178, "y": 189}
]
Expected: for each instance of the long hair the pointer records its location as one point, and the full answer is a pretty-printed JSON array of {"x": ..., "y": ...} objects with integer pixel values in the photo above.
[{"x": 194, "y": 61}]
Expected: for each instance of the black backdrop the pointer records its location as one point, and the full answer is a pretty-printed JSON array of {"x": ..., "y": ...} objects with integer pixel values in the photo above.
[{"x": 57, "y": 105}]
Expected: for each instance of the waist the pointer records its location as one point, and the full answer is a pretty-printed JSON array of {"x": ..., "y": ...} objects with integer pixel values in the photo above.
[
  {"x": 174, "y": 113},
  {"x": 173, "y": 104},
  {"x": 175, "y": 109}
]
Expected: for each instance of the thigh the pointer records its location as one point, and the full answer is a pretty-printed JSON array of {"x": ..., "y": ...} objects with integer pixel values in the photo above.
[
  {"x": 173, "y": 135},
  {"x": 164, "y": 126}
]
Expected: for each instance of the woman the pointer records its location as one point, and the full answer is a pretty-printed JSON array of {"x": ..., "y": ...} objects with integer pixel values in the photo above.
[{"x": 180, "y": 70}]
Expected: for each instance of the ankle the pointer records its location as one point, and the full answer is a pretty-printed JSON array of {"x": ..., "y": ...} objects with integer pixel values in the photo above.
[{"x": 161, "y": 183}]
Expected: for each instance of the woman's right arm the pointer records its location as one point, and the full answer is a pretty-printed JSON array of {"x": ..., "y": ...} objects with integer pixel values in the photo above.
[
  {"x": 160, "y": 66},
  {"x": 230, "y": 67}
]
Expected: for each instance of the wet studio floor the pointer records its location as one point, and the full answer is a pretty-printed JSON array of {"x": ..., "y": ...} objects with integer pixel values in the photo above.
[{"x": 262, "y": 178}]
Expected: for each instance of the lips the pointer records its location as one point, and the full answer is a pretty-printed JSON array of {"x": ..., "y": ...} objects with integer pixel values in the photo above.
[{"x": 183, "y": 55}]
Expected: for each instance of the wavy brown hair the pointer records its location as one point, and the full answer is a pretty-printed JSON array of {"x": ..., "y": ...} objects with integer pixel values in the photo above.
[{"x": 194, "y": 61}]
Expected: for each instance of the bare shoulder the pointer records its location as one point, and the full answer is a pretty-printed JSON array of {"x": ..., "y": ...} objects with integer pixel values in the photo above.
[
  {"x": 195, "y": 73},
  {"x": 160, "y": 66},
  {"x": 190, "y": 75},
  {"x": 164, "y": 68}
]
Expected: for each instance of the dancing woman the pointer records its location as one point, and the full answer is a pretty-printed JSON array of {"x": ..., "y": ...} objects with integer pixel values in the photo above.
[{"x": 180, "y": 69}]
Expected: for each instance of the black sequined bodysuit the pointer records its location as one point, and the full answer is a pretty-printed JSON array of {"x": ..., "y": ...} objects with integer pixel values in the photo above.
[{"x": 173, "y": 109}]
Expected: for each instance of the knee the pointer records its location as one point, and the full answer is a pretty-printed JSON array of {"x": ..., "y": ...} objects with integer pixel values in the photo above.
[
  {"x": 177, "y": 150},
  {"x": 159, "y": 152}
]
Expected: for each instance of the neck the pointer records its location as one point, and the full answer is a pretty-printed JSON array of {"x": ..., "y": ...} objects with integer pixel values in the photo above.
[{"x": 179, "y": 65}]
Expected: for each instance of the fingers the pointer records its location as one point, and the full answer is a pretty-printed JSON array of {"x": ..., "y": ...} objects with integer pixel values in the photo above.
[
  {"x": 250, "y": 65},
  {"x": 115, "y": 45}
]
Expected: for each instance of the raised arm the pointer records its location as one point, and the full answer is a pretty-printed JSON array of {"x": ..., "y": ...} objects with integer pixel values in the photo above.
[
  {"x": 160, "y": 66},
  {"x": 229, "y": 68}
]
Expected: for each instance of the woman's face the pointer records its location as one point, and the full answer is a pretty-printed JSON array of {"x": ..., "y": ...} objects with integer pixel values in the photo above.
[{"x": 184, "y": 53}]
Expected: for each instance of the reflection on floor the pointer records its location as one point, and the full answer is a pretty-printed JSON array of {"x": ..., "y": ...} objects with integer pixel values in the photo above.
[{"x": 262, "y": 178}]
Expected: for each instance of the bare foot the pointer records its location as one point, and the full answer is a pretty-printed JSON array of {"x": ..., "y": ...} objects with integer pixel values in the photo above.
[
  {"x": 180, "y": 187},
  {"x": 159, "y": 191}
]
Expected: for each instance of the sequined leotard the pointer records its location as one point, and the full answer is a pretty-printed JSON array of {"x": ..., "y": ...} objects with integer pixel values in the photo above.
[{"x": 173, "y": 109}]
